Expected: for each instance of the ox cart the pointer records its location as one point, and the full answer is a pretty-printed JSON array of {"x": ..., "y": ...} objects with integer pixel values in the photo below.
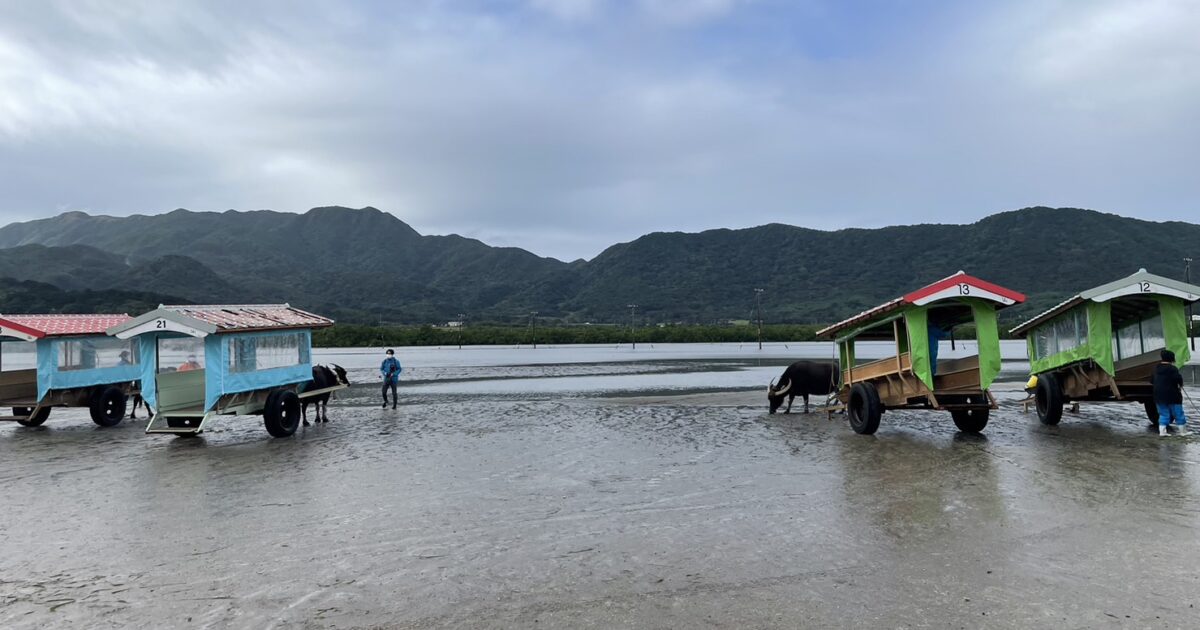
[
  {"x": 1103, "y": 344},
  {"x": 208, "y": 361},
  {"x": 49, "y": 361},
  {"x": 914, "y": 378}
]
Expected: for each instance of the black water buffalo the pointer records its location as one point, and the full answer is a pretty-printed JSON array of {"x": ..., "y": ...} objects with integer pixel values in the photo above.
[
  {"x": 322, "y": 377},
  {"x": 801, "y": 379}
]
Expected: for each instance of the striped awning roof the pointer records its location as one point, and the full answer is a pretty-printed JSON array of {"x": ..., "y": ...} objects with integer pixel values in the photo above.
[
  {"x": 1141, "y": 283},
  {"x": 235, "y": 317},
  {"x": 60, "y": 325}
]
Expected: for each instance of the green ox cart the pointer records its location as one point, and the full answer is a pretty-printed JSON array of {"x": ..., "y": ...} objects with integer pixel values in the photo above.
[
  {"x": 208, "y": 361},
  {"x": 914, "y": 378},
  {"x": 58, "y": 360},
  {"x": 1103, "y": 344}
]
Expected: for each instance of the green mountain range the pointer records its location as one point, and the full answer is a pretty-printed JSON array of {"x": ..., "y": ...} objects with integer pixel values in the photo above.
[{"x": 365, "y": 265}]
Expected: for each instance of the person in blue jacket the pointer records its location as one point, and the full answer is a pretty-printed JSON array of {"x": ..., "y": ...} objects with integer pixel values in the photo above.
[
  {"x": 390, "y": 370},
  {"x": 1168, "y": 394}
]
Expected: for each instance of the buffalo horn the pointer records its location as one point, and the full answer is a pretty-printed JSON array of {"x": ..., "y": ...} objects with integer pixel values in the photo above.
[{"x": 783, "y": 391}]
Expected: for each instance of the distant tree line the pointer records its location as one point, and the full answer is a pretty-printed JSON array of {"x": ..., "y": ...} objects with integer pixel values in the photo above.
[{"x": 357, "y": 335}]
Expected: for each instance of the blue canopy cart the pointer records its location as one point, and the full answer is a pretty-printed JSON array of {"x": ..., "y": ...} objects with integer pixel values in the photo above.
[
  {"x": 59, "y": 360},
  {"x": 207, "y": 361}
]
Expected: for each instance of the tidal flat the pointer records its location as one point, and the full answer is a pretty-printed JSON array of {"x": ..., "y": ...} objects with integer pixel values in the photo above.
[{"x": 599, "y": 488}]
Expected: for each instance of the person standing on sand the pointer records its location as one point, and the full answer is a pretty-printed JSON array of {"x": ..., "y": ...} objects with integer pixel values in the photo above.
[
  {"x": 390, "y": 370},
  {"x": 1168, "y": 394}
]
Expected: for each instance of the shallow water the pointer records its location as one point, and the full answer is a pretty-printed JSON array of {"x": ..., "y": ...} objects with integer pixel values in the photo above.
[{"x": 595, "y": 488}]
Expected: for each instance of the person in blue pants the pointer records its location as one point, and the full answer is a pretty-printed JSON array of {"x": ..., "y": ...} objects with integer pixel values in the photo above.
[
  {"x": 390, "y": 370},
  {"x": 1168, "y": 394}
]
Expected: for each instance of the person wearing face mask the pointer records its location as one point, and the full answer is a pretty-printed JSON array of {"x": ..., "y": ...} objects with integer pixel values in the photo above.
[{"x": 390, "y": 370}]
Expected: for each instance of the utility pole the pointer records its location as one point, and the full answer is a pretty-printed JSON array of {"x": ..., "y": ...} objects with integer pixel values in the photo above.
[
  {"x": 462, "y": 321},
  {"x": 758, "y": 311},
  {"x": 1187, "y": 277},
  {"x": 533, "y": 328},
  {"x": 633, "y": 324}
]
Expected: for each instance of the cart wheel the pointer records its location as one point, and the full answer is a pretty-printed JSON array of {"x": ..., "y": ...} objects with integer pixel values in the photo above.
[
  {"x": 1151, "y": 412},
  {"x": 1049, "y": 399},
  {"x": 108, "y": 407},
  {"x": 281, "y": 416},
  {"x": 971, "y": 420},
  {"x": 36, "y": 420},
  {"x": 865, "y": 408}
]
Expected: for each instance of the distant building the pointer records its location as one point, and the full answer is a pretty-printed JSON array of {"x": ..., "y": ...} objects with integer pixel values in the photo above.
[
  {"x": 738, "y": 322},
  {"x": 454, "y": 324}
]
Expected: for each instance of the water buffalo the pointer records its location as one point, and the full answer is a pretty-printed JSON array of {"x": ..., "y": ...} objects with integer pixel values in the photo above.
[
  {"x": 322, "y": 377},
  {"x": 801, "y": 379}
]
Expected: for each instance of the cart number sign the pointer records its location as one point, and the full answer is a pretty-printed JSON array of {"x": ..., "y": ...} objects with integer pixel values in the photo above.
[
  {"x": 160, "y": 324},
  {"x": 964, "y": 288},
  {"x": 1144, "y": 287}
]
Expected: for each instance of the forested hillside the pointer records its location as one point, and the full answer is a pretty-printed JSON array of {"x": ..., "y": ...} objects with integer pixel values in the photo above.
[{"x": 365, "y": 265}]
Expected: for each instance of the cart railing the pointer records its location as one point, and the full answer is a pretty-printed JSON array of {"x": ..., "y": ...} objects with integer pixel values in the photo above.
[
  {"x": 1138, "y": 361},
  {"x": 877, "y": 369},
  {"x": 180, "y": 390},
  {"x": 956, "y": 374},
  {"x": 18, "y": 385}
]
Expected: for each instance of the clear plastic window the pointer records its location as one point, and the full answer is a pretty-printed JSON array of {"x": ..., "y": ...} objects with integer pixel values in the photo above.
[
  {"x": 99, "y": 352},
  {"x": 1064, "y": 333},
  {"x": 1043, "y": 339},
  {"x": 1152, "y": 334},
  {"x": 1129, "y": 340},
  {"x": 18, "y": 355},
  {"x": 248, "y": 354},
  {"x": 1139, "y": 337},
  {"x": 180, "y": 354}
]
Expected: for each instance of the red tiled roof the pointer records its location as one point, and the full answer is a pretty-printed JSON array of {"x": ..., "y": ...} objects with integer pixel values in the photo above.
[
  {"x": 53, "y": 325},
  {"x": 233, "y": 317},
  {"x": 915, "y": 296}
]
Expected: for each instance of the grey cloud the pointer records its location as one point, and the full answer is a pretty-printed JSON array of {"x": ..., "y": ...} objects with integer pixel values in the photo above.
[{"x": 565, "y": 139}]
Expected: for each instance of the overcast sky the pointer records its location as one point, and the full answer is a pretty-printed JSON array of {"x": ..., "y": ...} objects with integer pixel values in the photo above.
[{"x": 564, "y": 126}]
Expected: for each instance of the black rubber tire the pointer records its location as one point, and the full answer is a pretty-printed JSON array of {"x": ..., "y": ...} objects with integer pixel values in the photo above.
[
  {"x": 971, "y": 420},
  {"x": 865, "y": 409},
  {"x": 1151, "y": 411},
  {"x": 108, "y": 407},
  {"x": 1049, "y": 398},
  {"x": 281, "y": 416},
  {"x": 35, "y": 421}
]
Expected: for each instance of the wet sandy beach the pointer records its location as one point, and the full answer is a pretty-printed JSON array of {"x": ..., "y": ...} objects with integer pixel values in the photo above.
[{"x": 540, "y": 496}]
